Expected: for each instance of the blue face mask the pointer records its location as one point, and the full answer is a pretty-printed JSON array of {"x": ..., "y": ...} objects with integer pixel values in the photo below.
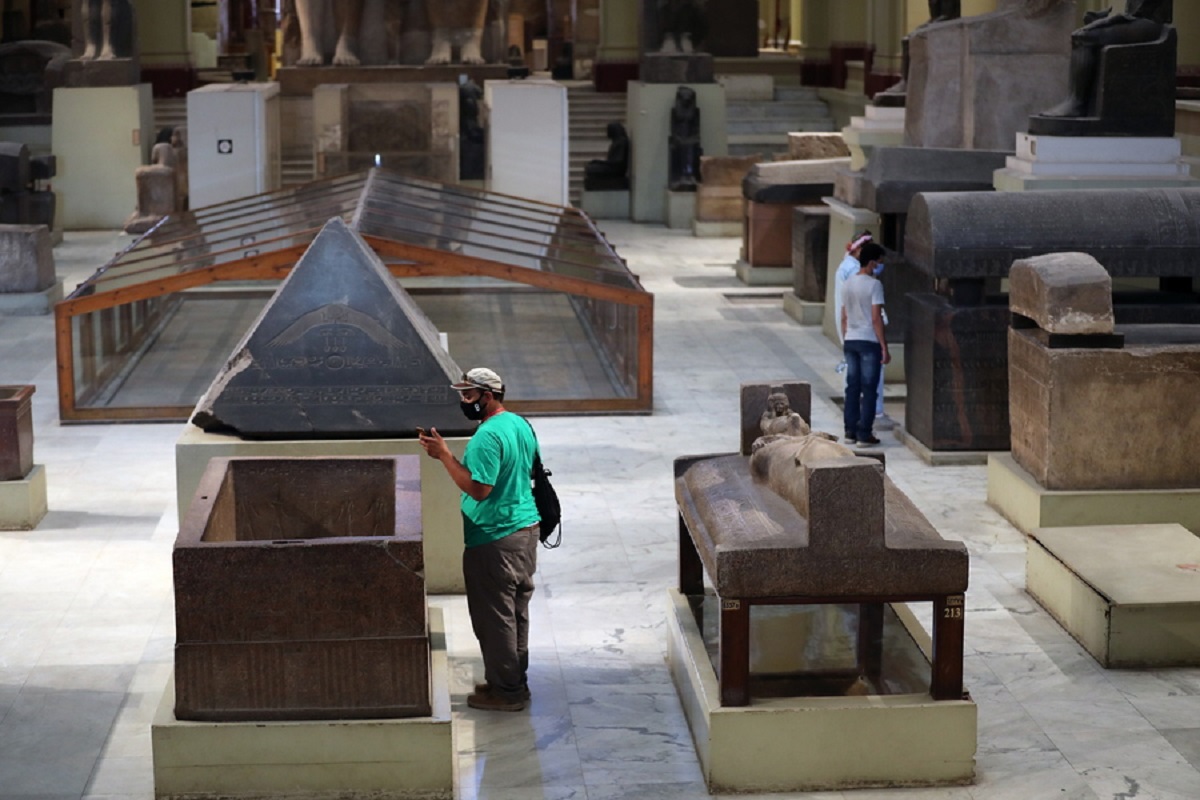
[{"x": 878, "y": 270}]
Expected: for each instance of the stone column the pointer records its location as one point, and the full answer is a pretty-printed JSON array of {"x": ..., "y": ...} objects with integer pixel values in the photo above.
[
  {"x": 619, "y": 31},
  {"x": 885, "y": 29},
  {"x": 794, "y": 24},
  {"x": 815, "y": 34},
  {"x": 164, "y": 30}
]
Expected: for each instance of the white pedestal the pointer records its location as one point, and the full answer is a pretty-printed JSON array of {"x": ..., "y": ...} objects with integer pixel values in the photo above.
[
  {"x": 30, "y": 304},
  {"x": 234, "y": 142},
  {"x": 1015, "y": 494},
  {"x": 608, "y": 204},
  {"x": 681, "y": 209},
  {"x": 528, "y": 139},
  {"x": 816, "y": 743},
  {"x": 844, "y": 222},
  {"x": 23, "y": 502},
  {"x": 648, "y": 111},
  {"x": 1093, "y": 162},
  {"x": 100, "y": 137},
  {"x": 441, "y": 520},
  {"x": 879, "y": 127},
  {"x": 318, "y": 760},
  {"x": 1129, "y": 594}
]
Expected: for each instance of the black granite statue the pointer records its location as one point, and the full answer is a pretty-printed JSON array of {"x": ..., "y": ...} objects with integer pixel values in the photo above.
[
  {"x": 612, "y": 172},
  {"x": 472, "y": 145},
  {"x": 685, "y": 150},
  {"x": 939, "y": 11},
  {"x": 1134, "y": 93},
  {"x": 682, "y": 24}
]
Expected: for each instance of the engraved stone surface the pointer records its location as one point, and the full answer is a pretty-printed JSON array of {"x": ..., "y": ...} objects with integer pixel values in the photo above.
[
  {"x": 16, "y": 432},
  {"x": 26, "y": 258},
  {"x": 862, "y": 535},
  {"x": 956, "y": 370},
  {"x": 340, "y": 351},
  {"x": 299, "y": 592},
  {"x": 1107, "y": 418},
  {"x": 810, "y": 251},
  {"x": 980, "y": 234},
  {"x": 895, "y": 175},
  {"x": 1066, "y": 293},
  {"x": 754, "y": 401},
  {"x": 810, "y": 145}
]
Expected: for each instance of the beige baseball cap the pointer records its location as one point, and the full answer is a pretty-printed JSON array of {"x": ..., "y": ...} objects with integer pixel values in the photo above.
[{"x": 480, "y": 378}]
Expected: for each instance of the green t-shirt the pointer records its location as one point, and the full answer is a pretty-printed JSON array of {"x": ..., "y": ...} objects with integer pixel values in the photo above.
[{"x": 500, "y": 454}]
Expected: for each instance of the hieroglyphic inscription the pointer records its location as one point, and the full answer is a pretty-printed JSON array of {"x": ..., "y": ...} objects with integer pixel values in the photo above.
[{"x": 336, "y": 395}]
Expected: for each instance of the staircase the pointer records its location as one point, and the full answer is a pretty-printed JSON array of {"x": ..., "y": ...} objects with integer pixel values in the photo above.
[
  {"x": 295, "y": 171},
  {"x": 169, "y": 112},
  {"x": 589, "y": 113},
  {"x": 755, "y": 126}
]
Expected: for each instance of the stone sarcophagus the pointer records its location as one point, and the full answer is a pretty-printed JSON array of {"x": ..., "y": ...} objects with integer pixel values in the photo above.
[
  {"x": 300, "y": 592},
  {"x": 805, "y": 520},
  {"x": 16, "y": 432}
]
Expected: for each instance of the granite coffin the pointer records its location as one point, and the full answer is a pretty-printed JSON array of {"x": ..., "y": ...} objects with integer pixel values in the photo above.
[{"x": 340, "y": 351}]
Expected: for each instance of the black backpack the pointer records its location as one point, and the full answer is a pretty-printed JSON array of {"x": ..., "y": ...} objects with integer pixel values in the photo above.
[{"x": 546, "y": 500}]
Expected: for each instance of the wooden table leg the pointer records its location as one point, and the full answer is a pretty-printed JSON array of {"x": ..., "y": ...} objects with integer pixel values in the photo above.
[
  {"x": 870, "y": 640},
  {"x": 947, "y": 680},
  {"x": 691, "y": 568},
  {"x": 733, "y": 636}
]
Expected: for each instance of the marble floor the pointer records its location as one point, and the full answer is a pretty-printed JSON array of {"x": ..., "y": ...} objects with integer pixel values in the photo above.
[{"x": 86, "y": 618}]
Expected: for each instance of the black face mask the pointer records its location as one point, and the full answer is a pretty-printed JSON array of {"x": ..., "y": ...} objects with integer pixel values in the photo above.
[{"x": 472, "y": 411}]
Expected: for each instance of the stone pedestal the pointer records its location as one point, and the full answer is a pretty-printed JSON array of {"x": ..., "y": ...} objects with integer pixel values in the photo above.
[
  {"x": 719, "y": 194},
  {"x": 1094, "y": 162},
  {"x": 799, "y": 743},
  {"x": 681, "y": 209},
  {"x": 648, "y": 113},
  {"x": 810, "y": 257},
  {"x": 606, "y": 204},
  {"x": 1128, "y": 593},
  {"x": 957, "y": 374},
  {"x": 878, "y": 127},
  {"x": 27, "y": 281},
  {"x": 100, "y": 137},
  {"x": 323, "y": 760},
  {"x": 23, "y": 501},
  {"x": 441, "y": 520}
]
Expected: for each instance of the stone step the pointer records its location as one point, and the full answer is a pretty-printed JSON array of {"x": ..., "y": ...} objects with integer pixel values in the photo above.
[
  {"x": 752, "y": 127},
  {"x": 796, "y": 93},
  {"x": 777, "y": 109}
]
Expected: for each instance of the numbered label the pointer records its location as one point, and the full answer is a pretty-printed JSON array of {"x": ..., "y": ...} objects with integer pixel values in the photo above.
[
  {"x": 954, "y": 607},
  {"x": 731, "y": 605}
]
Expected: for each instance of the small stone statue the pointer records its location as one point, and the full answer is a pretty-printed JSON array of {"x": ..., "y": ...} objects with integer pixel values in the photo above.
[
  {"x": 457, "y": 22},
  {"x": 108, "y": 29},
  {"x": 472, "y": 137},
  {"x": 779, "y": 419},
  {"x": 156, "y": 196},
  {"x": 939, "y": 11},
  {"x": 1143, "y": 21},
  {"x": 685, "y": 150},
  {"x": 311, "y": 15},
  {"x": 683, "y": 25},
  {"x": 611, "y": 172}
]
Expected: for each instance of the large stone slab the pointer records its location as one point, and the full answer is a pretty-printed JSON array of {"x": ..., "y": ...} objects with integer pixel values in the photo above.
[
  {"x": 791, "y": 181},
  {"x": 956, "y": 371},
  {"x": 811, "y": 145},
  {"x": 300, "y": 593},
  {"x": 341, "y": 350},
  {"x": 895, "y": 175},
  {"x": 1062, "y": 293},
  {"x": 981, "y": 234}
]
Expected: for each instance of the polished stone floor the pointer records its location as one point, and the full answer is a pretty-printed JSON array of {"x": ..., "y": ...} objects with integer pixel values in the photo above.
[{"x": 86, "y": 618}]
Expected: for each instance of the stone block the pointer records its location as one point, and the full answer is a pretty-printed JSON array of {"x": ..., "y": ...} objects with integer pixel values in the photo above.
[
  {"x": 23, "y": 501},
  {"x": 956, "y": 371},
  {"x": 1063, "y": 293},
  {"x": 768, "y": 234},
  {"x": 719, "y": 204},
  {"x": 981, "y": 234},
  {"x": 78, "y": 74},
  {"x": 16, "y": 432},
  {"x": 299, "y": 592},
  {"x": 605, "y": 204},
  {"x": 791, "y": 181},
  {"x": 26, "y": 258},
  {"x": 808, "y": 146},
  {"x": 681, "y": 209},
  {"x": 748, "y": 87},
  {"x": 726, "y": 170},
  {"x": 677, "y": 68},
  {"x": 1094, "y": 418},
  {"x": 895, "y": 175},
  {"x": 810, "y": 251}
]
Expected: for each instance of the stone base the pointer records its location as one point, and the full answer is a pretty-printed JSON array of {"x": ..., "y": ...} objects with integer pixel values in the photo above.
[
  {"x": 1127, "y": 593},
  {"x": 412, "y": 757},
  {"x": 803, "y": 311},
  {"x": 879, "y": 127},
  {"x": 681, "y": 209},
  {"x": 763, "y": 276},
  {"x": 1022, "y": 501},
  {"x": 1093, "y": 162},
  {"x": 23, "y": 502},
  {"x": 300, "y": 81},
  {"x": 30, "y": 304},
  {"x": 940, "y": 458},
  {"x": 441, "y": 520},
  {"x": 705, "y": 229},
  {"x": 800, "y": 743},
  {"x": 606, "y": 204}
]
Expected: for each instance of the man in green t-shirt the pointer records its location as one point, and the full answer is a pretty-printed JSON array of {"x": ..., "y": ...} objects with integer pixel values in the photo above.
[{"x": 500, "y": 525}]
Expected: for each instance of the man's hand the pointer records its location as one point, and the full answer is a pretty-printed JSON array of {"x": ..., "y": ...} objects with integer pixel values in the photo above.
[{"x": 435, "y": 446}]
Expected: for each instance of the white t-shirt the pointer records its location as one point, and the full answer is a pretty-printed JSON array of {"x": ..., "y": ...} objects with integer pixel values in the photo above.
[
  {"x": 848, "y": 267},
  {"x": 858, "y": 295}
]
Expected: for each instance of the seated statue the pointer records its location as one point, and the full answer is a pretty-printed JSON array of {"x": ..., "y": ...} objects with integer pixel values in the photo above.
[
  {"x": 939, "y": 11},
  {"x": 457, "y": 22},
  {"x": 685, "y": 151},
  {"x": 779, "y": 419},
  {"x": 612, "y": 172},
  {"x": 108, "y": 29},
  {"x": 156, "y": 188},
  {"x": 682, "y": 24},
  {"x": 472, "y": 138},
  {"x": 311, "y": 15},
  {"x": 1122, "y": 76}
]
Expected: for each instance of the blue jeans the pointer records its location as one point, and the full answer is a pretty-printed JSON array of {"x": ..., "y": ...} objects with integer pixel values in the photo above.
[{"x": 864, "y": 360}]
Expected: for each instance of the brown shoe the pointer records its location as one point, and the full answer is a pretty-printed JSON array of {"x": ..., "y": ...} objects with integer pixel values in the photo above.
[
  {"x": 491, "y": 702},
  {"x": 485, "y": 688}
]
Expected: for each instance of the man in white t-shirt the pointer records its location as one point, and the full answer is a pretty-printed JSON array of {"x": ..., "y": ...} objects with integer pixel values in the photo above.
[
  {"x": 848, "y": 267},
  {"x": 864, "y": 345}
]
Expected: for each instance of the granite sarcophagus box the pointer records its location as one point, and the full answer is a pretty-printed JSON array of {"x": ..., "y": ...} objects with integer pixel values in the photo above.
[{"x": 300, "y": 592}]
